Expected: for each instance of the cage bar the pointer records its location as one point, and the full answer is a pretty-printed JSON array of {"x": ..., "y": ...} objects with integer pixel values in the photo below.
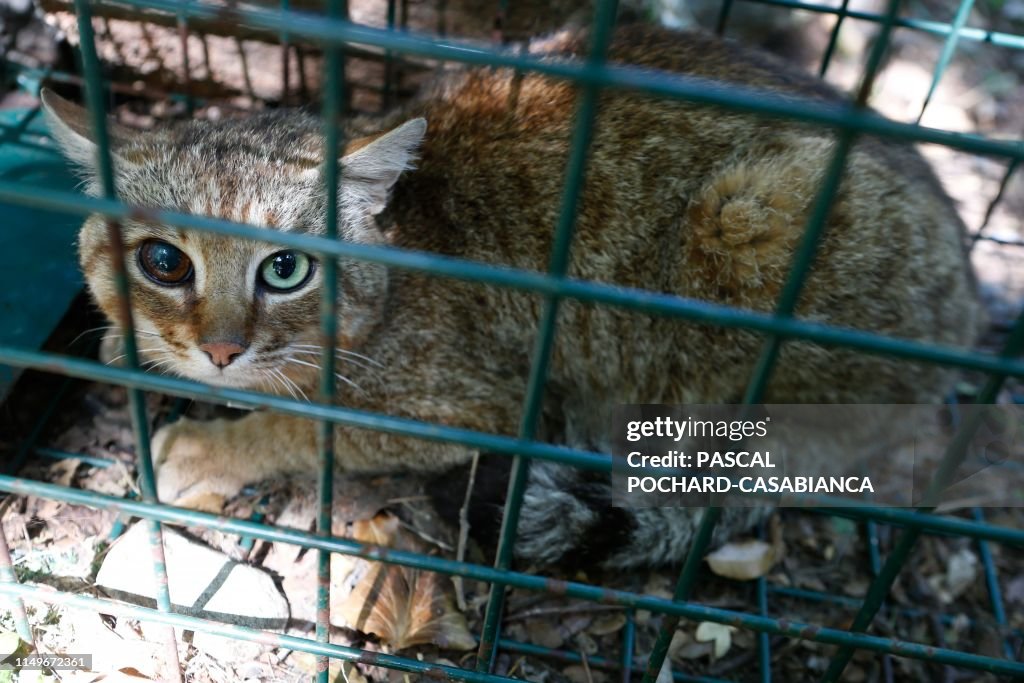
[
  {"x": 676, "y": 86},
  {"x": 333, "y": 100},
  {"x": 136, "y": 401},
  {"x": 833, "y": 38},
  {"x": 948, "y": 49},
  {"x": 879, "y": 588},
  {"x": 575, "y": 175},
  {"x": 803, "y": 259},
  {"x": 573, "y": 589},
  {"x": 335, "y": 33},
  {"x": 937, "y": 28},
  {"x": 995, "y": 594},
  {"x": 1003, "y": 184}
]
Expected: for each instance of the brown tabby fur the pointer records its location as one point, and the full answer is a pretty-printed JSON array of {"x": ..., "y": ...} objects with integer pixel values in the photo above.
[{"x": 679, "y": 198}]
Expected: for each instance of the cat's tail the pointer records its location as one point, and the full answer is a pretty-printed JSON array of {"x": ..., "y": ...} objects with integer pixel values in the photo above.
[{"x": 567, "y": 519}]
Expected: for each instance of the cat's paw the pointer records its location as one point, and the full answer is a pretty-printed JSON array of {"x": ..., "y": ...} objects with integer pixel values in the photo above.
[{"x": 194, "y": 465}]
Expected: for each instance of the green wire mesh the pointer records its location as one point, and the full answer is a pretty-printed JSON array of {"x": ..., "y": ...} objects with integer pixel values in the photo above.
[{"x": 335, "y": 33}]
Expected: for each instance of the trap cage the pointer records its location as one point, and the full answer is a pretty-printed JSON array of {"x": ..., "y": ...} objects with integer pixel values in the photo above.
[{"x": 335, "y": 34}]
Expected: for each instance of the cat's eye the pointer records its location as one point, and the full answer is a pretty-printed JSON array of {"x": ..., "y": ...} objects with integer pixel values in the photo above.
[
  {"x": 164, "y": 263},
  {"x": 286, "y": 271}
]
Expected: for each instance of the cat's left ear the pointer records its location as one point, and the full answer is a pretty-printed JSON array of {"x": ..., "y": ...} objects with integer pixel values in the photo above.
[
  {"x": 71, "y": 127},
  {"x": 372, "y": 167}
]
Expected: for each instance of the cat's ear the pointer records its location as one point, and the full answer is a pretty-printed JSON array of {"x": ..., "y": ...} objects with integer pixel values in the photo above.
[
  {"x": 71, "y": 127},
  {"x": 371, "y": 168}
]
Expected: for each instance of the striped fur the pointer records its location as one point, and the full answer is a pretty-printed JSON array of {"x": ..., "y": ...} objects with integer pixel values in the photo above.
[{"x": 678, "y": 198}]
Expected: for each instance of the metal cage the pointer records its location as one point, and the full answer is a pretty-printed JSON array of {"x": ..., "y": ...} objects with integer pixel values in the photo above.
[{"x": 333, "y": 33}]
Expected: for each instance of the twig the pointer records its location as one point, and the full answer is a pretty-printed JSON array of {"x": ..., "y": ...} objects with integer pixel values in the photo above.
[
  {"x": 586, "y": 666},
  {"x": 565, "y": 609},
  {"x": 425, "y": 536},
  {"x": 460, "y": 553},
  {"x": 515, "y": 666},
  {"x": 406, "y": 499}
]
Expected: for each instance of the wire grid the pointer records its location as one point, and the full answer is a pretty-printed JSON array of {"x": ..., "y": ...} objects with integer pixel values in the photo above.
[{"x": 333, "y": 33}]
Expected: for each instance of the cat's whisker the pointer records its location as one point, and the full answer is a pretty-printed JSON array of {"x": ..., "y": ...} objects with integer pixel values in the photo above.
[
  {"x": 349, "y": 382},
  {"x": 93, "y": 329},
  {"x": 353, "y": 354},
  {"x": 113, "y": 335},
  {"x": 292, "y": 382},
  {"x": 339, "y": 351},
  {"x": 159, "y": 364},
  {"x": 271, "y": 387},
  {"x": 339, "y": 375},
  {"x": 302, "y": 362},
  {"x": 150, "y": 349},
  {"x": 284, "y": 382}
]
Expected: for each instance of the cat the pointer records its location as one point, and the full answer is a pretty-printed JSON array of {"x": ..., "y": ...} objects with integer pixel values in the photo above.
[{"x": 679, "y": 198}]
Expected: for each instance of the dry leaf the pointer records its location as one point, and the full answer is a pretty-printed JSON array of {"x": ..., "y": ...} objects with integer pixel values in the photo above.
[
  {"x": 351, "y": 674},
  {"x": 608, "y": 624},
  {"x": 400, "y": 605},
  {"x": 11, "y": 644},
  {"x": 694, "y": 650},
  {"x": 577, "y": 673},
  {"x": 680, "y": 639},
  {"x": 743, "y": 560},
  {"x": 665, "y": 675},
  {"x": 542, "y": 632},
  {"x": 961, "y": 573},
  {"x": 586, "y": 644},
  {"x": 719, "y": 634},
  {"x": 62, "y": 472}
]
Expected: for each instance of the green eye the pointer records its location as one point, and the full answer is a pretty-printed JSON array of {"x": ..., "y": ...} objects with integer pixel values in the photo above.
[{"x": 286, "y": 270}]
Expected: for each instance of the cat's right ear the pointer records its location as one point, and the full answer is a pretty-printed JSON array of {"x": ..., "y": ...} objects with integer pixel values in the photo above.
[{"x": 71, "y": 127}]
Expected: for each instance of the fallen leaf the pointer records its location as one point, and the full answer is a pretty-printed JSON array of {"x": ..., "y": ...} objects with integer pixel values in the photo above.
[
  {"x": 400, "y": 605},
  {"x": 742, "y": 560},
  {"x": 11, "y": 645},
  {"x": 586, "y": 644},
  {"x": 605, "y": 625},
  {"x": 719, "y": 634},
  {"x": 680, "y": 639},
  {"x": 577, "y": 673},
  {"x": 665, "y": 675},
  {"x": 62, "y": 472},
  {"x": 961, "y": 573},
  {"x": 351, "y": 674},
  {"x": 544, "y": 633},
  {"x": 694, "y": 650}
]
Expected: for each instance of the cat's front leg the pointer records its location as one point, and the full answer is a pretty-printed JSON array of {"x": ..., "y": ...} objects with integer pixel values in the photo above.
[{"x": 201, "y": 464}]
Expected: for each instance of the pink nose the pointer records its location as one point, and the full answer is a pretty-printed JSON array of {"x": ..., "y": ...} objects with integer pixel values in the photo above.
[{"x": 222, "y": 353}]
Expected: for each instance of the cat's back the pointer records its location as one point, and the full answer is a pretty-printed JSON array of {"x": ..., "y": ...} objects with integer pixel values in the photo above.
[
  {"x": 693, "y": 200},
  {"x": 498, "y": 142}
]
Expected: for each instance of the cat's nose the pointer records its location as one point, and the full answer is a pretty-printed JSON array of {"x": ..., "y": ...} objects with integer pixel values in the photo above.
[{"x": 222, "y": 353}]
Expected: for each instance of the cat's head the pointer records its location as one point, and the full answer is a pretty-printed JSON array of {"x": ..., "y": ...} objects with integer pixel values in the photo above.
[{"x": 223, "y": 310}]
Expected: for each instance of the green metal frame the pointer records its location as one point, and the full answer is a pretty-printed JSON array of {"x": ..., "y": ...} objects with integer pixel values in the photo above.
[{"x": 333, "y": 32}]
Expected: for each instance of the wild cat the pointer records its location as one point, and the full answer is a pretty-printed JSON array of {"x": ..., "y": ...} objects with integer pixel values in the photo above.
[{"x": 678, "y": 198}]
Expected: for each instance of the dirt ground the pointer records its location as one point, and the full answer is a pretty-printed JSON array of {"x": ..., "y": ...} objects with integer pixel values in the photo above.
[{"x": 821, "y": 565}]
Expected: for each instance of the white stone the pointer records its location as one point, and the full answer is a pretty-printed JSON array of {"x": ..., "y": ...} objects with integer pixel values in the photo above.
[{"x": 202, "y": 582}]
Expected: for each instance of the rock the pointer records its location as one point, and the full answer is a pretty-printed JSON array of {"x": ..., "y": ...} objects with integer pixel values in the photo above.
[
  {"x": 203, "y": 582},
  {"x": 742, "y": 560}
]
